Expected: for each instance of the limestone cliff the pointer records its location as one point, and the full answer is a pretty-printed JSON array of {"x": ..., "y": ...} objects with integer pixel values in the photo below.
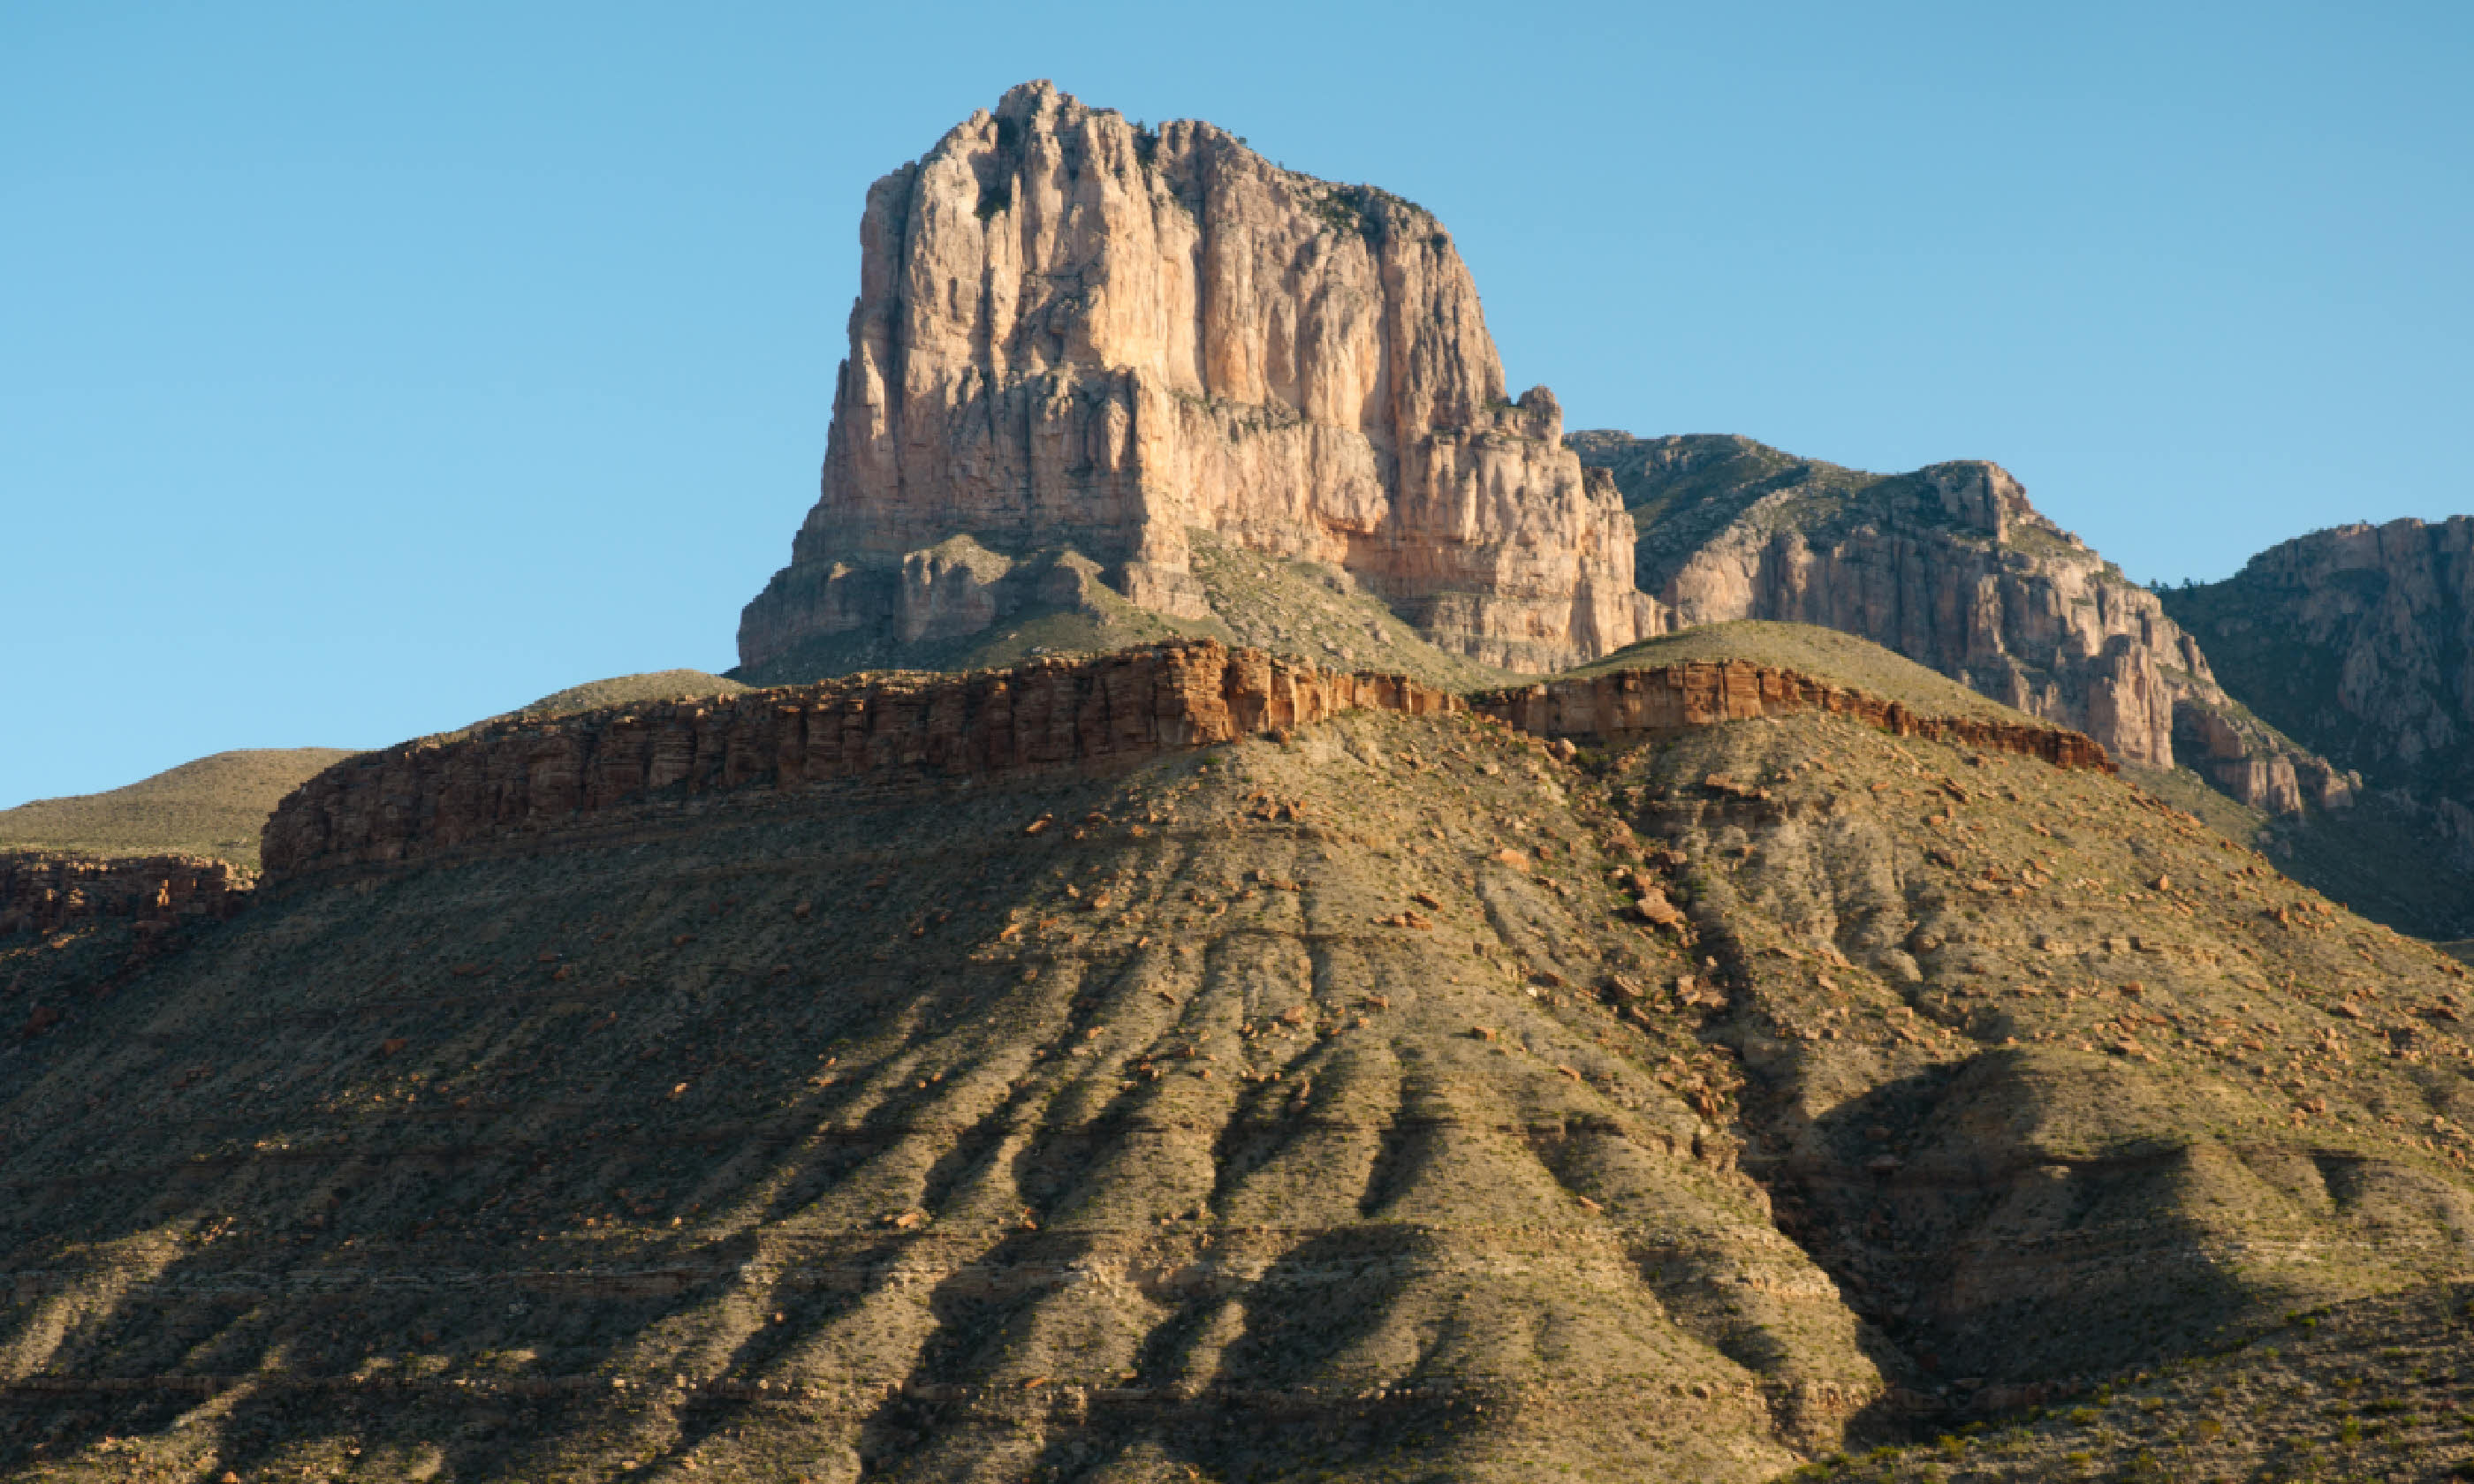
[
  {"x": 2359, "y": 642},
  {"x": 1951, "y": 566},
  {"x": 1074, "y": 333}
]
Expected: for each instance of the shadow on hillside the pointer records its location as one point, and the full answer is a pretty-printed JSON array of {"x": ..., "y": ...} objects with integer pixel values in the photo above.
[{"x": 1988, "y": 1266}]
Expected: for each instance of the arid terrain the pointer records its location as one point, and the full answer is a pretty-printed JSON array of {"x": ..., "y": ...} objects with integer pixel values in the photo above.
[{"x": 1252, "y": 912}]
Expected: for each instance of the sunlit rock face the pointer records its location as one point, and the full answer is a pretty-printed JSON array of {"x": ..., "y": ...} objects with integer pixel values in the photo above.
[{"x": 1073, "y": 332}]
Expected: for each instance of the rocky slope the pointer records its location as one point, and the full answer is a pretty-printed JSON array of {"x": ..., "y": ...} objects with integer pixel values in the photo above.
[
  {"x": 1400, "y": 1096},
  {"x": 1290, "y": 604},
  {"x": 2378, "y": 1388},
  {"x": 1077, "y": 339},
  {"x": 2359, "y": 642},
  {"x": 1951, "y": 566}
]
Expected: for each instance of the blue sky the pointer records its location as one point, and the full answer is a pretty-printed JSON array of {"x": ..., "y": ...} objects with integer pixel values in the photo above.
[{"x": 368, "y": 368}]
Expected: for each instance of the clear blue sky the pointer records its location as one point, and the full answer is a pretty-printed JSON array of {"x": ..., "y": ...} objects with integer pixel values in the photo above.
[{"x": 366, "y": 368}]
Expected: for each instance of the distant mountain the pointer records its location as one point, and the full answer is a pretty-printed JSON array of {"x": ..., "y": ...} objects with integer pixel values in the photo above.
[
  {"x": 2359, "y": 642},
  {"x": 1272, "y": 960},
  {"x": 1951, "y": 566}
]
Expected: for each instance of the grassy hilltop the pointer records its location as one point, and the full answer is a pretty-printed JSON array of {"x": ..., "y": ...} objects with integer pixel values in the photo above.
[{"x": 212, "y": 806}]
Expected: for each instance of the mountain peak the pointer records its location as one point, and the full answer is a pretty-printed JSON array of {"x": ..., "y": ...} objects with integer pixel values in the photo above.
[{"x": 1075, "y": 334}]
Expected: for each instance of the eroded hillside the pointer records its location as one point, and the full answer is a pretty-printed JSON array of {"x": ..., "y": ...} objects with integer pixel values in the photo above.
[
  {"x": 1116, "y": 1140},
  {"x": 2054, "y": 1079},
  {"x": 1404, "y": 1097}
]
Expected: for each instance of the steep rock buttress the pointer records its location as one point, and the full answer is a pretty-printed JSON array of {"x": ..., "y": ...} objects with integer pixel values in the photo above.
[{"x": 1076, "y": 333}]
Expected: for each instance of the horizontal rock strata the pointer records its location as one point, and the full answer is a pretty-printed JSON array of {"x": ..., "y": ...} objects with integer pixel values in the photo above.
[
  {"x": 1635, "y": 703},
  {"x": 380, "y": 806},
  {"x": 388, "y": 805},
  {"x": 44, "y": 890}
]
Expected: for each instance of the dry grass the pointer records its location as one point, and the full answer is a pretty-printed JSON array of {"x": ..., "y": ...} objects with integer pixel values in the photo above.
[
  {"x": 1288, "y": 1110},
  {"x": 1857, "y": 663},
  {"x": 213, "y": 806}
]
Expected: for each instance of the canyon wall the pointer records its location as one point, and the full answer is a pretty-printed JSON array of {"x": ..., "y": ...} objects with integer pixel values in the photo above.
[
  {"x": 1074, "y": 333},
  {"x": 514, "y": 778},
  {"x": 1951, "y": 566},
  {"x": 2359, "y": 641},
  {"x": 41, "y": 891}
]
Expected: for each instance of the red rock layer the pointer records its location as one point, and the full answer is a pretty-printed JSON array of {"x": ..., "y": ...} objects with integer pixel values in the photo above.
[
  {"x": 1638, "y": 702},
  {"x": 516, "y": 777},
  {"x": 43, "y": 890},
  {"x": 382, "y": 806}
]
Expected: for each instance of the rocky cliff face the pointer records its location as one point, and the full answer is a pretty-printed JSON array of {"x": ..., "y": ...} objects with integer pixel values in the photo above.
[
  {"x": 42, "y": 890},
  {"x": 1075, "y": 333},
  {"x": 1951, "y": 566},
  {"x": 2359, "y": 642},
  {"x": 522, "y": 777}
]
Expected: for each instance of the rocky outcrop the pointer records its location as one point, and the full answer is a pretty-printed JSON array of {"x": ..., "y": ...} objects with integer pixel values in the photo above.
[
  {"x": 514, "y": 778},
  {"x": 1074, "y": 333},
  {"x": 43, "y": 891},
  {"x": 506, "y": 780},
  {"x": 2359, "y": 642},
  {"x": 1628, "y": 704},
  {"x": 1951, "y": 566}
]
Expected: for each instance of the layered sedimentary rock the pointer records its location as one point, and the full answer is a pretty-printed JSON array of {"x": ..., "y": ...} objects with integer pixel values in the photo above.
[
  {"x": 519, "y": 776},
  {"x": 1054, "y": 713},
  {"x": 1074, "y": 333},
  {"x": 2359, "y": 642},
  {"x": 1951, "y": 566},
  {"x": 1670, "y": 699},
  {"x": 44, "y": 890}
]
